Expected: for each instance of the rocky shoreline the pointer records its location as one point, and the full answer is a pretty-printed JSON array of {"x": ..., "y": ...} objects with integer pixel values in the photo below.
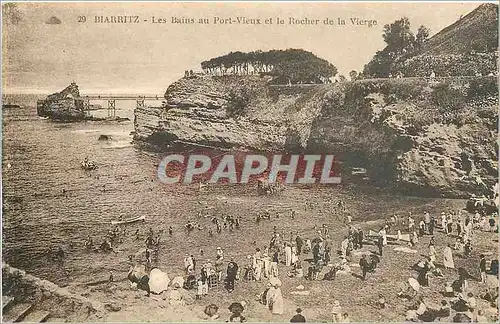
[
  {"x": 44, "y": 296},
  {"x": 420, "y": 136}
]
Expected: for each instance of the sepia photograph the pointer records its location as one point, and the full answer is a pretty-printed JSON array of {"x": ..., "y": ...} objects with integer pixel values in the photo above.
[{"x": 250, "y": 161}]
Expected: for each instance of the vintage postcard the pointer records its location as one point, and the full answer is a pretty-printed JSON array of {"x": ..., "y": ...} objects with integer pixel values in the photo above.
[{"x": 250, "y": 161}]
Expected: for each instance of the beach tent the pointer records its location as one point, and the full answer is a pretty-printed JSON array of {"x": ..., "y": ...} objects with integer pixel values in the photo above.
[{"x": 158, "y": 281}]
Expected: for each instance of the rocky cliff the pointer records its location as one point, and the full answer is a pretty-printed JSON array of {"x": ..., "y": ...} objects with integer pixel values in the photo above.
[
  {"x": 63, "y": 105},
  {"x": 420, "y": 136},
  {"x": 228, "y": 112},
  {"x": 47, "y": 296}
]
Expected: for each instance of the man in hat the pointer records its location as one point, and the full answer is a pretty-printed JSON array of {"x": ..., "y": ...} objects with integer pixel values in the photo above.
[
  {"x": 299, "y": 242},
  {"x": 431, "y": 225},
  {"x": 380, "y": 244},
  {"x": 298, "y": 318},
  {"x": 361, "y": 237},
  {"x": 363, "y": 264},
  {"x": 482, "y": 268},
  {"x": 232, "y": 271}
]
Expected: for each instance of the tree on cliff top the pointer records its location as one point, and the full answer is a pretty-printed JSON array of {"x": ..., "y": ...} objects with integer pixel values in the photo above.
[
  {"x": 400, "y": 43},
  {"x": 291, "y": 65},
  {"x": 398, "y": 36}
]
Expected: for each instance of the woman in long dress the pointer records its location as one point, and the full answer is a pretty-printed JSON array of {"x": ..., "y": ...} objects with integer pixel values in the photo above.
[
  {"x": 269, "y": 296},
  {"x": 343, "y": 246},
  {"x": 295, "y": 258},
  {"x": 432, "y": 253},
  {"x": 383, "y": 233},
  {"x": 267, "y": 265},
  {"x": 448, "y": 258},
  {"x": 288, "y": 255},
  {"x": 444, "y": 222},
  {"x": 277, "y": 301}
]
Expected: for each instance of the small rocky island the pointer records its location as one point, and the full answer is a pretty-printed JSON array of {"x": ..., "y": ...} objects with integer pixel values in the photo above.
[
  {"x": 68, "y": 106},
  {"x": 64, "y": 105}
]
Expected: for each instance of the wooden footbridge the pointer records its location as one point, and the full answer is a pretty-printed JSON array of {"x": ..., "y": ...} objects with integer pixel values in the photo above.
[{"x": 112, "y": 99}]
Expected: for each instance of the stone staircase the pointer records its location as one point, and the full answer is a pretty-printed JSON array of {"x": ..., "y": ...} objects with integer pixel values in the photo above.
[{"x": 13, "y": 311}]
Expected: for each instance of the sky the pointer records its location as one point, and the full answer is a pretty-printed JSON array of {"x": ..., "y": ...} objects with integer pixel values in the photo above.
[{"x": 44, "y": 47}]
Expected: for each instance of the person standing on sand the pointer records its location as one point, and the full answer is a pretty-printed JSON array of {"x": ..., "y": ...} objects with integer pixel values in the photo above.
[
  {"x": 482, "y": 268},
  {"x": 383, "y": 233},
  {"x": 432, "y": 251},
  {"x": 363, "y": 264},
  {"x": 257, "y": 264},
  {"x": 299, "y": 243},
  {"x": 361, "y": 237},
  {"x": 219, "y": 262},
  {"x": 274, "y": 263},
  {"x": 288, "y": 254},
  {"x": 448, "y": 258},
  {"x": 232, "y": 271},
  {"x": 276, "y": 299},
  {"x": 421, "y": 228},
  {"x": 411, "y": 223},
  {"x": 269, "y": 294},
  {"x": 188, "y": 264},
  {"x": 444, "y": 222},
  {"x": 295, "y": 257},
  {"x": 266, "y": 260},
  {"x": 427, "y": 220},
  {"x": 194, "y": 262},
  {"x": 449, "y": 223},
  {"x": 432, "y": 224},
  {"x": 219, "y": 252},
  {"x": 380, "y": 244}
]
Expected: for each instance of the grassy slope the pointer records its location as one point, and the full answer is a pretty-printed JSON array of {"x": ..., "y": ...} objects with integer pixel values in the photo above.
[{"x": 479, "y": 25}]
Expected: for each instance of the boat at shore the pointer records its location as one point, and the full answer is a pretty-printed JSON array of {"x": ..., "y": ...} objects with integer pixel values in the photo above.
[{"x": 130, "y": 220}]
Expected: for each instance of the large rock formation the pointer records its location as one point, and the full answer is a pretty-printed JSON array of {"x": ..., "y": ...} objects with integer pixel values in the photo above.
[
  {"x": 420, "y": 136},
  {"x": 64, "y": 105},
  {"x": 227, "y": 112}
]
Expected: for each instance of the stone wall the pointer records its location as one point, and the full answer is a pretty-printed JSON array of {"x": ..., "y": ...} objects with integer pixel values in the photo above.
[{"x": 45, "y": 295}]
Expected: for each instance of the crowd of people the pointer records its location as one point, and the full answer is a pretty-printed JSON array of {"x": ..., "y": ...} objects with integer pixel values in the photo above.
[
  {"x": 325, "y": 261},
  {"x": 262, "y": 265}
]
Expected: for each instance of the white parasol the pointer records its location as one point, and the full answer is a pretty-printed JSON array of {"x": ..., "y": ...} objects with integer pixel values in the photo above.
[{"x": 275, "y": 282}]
